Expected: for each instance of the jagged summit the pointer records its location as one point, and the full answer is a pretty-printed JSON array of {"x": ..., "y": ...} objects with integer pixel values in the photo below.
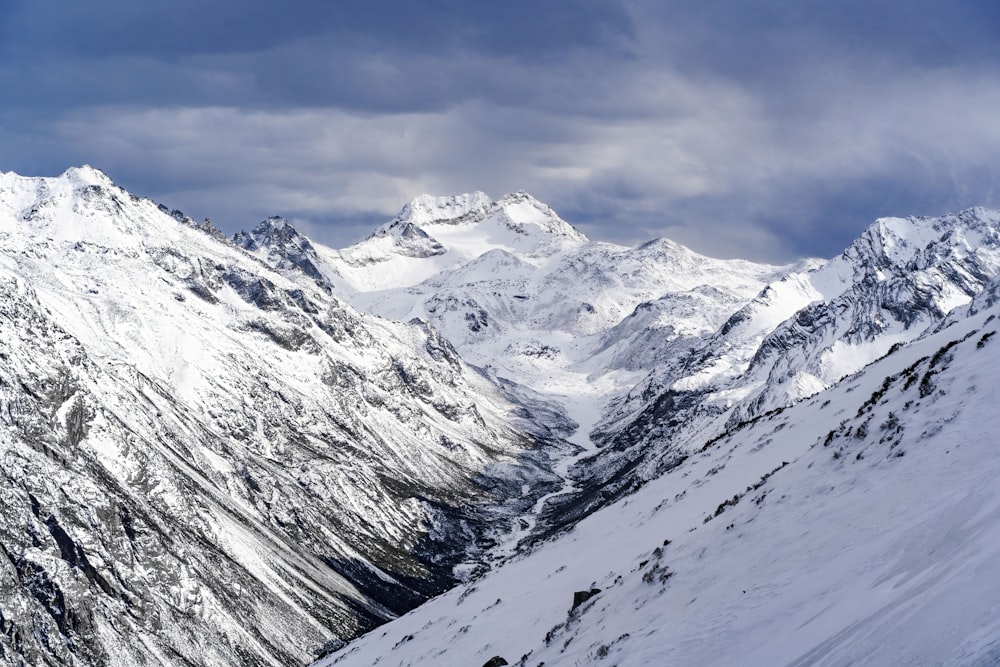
[
  {"x": 281, "y": 245},
  {"x": 518, "y": 210},
  {"x": 429, "y": 209},
  {"x": 88, "y": 174},
  {"x": 274, "y": 230},
  {"x": 919, "y": 242}
]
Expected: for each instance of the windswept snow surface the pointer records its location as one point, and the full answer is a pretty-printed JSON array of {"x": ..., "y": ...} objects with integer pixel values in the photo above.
[{"x": 861, "y": 526}]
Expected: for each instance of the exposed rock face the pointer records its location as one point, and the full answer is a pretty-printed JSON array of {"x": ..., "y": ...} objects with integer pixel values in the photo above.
[
  {"x": 285, "y": 247},
  {"x": 579, "y": 597}
]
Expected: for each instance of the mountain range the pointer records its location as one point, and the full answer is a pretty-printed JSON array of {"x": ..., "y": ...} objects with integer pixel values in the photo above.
[{"x": 255, "y": 450}]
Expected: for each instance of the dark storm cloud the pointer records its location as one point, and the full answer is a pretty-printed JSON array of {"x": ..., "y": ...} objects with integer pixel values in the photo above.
[
  {"x": 184, "y": 27},
  {"x": 766, "y": 129},
  {"x": 390, "y": 55},
  {"x": 771, "y": 40}
]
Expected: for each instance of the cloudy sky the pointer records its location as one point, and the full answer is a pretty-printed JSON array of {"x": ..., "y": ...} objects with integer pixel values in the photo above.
[{"x": 768, "y": 129}]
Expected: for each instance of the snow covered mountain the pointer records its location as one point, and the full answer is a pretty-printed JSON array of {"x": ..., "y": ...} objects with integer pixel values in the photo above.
[
  {"x": 649, "y": 347},
  {"x": 430, "y": 235},
  {"x": 207, "y": 463},
  {"x": 238, "y": 451}
]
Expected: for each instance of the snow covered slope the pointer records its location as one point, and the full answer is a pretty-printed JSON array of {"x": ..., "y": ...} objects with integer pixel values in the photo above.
[
  {"x": 207, "y": 463},
  {"x": 861, "y": 526}
]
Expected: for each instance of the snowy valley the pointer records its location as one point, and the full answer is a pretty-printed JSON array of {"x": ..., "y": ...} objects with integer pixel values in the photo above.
[
  {"x": 524, "y": 443},
  {"x": 861, "y": 526}
]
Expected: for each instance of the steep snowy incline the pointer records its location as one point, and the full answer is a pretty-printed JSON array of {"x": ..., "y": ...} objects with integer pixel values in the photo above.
[
  {"x": 844, "y": 529},
  {"x": 207, "y": 463}
]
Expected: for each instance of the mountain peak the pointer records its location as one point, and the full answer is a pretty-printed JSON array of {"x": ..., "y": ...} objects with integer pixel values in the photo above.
[
  {"x": 898, "y": 242},
  {"x": 88, "y": 175},
  {"x": 282, "y": 244},
  {"x": 271, "y": 231},
  {"x": 520, "y": 209},
  {"x": 429, "y": 209},
  {"x": 73, "y": 179},
  {"x": 516, "y": 210}
]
